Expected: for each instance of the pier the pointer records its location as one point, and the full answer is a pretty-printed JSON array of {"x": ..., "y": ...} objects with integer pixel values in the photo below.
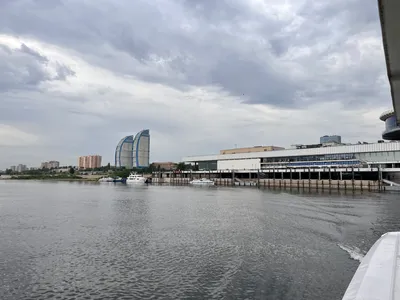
[{"x": 348, "y": 179}]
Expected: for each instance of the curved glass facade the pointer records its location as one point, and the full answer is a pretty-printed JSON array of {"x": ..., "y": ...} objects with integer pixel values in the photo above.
[
  {"x": 391, "y": 123},
  {"x": 133, "y": 152},
  {"x": 392, "y": 128},
  {"x": 141, "y": 149},
  {"x": 123, "y": 152}
]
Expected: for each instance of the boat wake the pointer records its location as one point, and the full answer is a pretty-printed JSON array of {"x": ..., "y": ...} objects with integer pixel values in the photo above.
[{"x": 354, "y": 252}]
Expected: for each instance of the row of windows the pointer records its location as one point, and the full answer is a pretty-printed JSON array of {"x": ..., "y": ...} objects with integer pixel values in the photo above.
[
  {"x": 322, "y": 164},
  {"x": 341, "y": 156},
  {"x": 207, "y": 165},
  {"x": 325, "y": 163}
]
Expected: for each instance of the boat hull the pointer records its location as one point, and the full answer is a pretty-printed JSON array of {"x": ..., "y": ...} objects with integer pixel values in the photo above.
[
  {"x": 106, "y": 180},
  {"x": 136, "y": 179},
  {"x": 142, "y": 181},
  {"x": 204, "y": 183},
  {"x": 377, "y": 277},
  {"x": 119, "y": 180}
]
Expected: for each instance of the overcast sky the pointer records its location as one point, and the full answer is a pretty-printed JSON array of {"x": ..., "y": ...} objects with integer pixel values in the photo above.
[{"x": 203, "y": 75}]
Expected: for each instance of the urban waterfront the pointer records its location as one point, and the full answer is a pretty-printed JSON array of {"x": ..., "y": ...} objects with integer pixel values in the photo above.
[{"x": 84, "y": 240}]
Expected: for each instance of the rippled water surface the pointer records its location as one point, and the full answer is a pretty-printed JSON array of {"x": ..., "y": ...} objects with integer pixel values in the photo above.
[{"x": 62, "y": 240}]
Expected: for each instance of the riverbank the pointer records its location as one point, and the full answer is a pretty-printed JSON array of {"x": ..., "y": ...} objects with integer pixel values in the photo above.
[{"x": 44, "y": 177}]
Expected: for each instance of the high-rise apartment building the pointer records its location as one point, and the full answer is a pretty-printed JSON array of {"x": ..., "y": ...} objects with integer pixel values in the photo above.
[
  {"x": 89, "y": 162},
  {"x": 21, "y": 168},
  {"x": 50, "y": 164}
]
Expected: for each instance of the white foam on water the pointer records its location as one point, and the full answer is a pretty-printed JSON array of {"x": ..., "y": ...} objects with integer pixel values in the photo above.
[{"x": 354, "y": 252}]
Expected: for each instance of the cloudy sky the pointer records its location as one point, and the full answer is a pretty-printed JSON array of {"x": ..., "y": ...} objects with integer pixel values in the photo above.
[{"x": 203, "y": 75}]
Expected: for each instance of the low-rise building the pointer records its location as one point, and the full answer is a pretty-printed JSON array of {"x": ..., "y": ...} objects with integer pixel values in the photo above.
[
  {"x": 330, "y": 139},
  {"x": 167, "y": 166},
  {"x": 62, "y": 170},
  {"x": 250, "y": 149},
  {"x": 306, "y": 146}
]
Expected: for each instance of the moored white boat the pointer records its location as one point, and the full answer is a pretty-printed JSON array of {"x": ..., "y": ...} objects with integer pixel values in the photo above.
[
  {"x": 136, "y": 179},
  {"x": 202, "y": 181},
  {"x": 106, "y": 179},
  {"x": 377, "y": 276}
]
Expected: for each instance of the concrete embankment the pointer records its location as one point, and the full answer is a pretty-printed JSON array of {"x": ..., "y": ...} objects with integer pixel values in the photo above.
[{"x": 360, "y": 185}]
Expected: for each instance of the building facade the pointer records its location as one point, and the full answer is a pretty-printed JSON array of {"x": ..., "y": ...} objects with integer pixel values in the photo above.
[
  {"x": 250, "y": 149},
  {"x": 385, "y": 155},
  {"x": 392, "y": 127},
  {"x": 89, "y": 162},
  {"x": 133, "y": 151},
  {"x": 50, "y": 164},
  {"x": 21, "y": 168},
  {"x": 330, "y": 139},
  {"x": 167, "y": 166}
]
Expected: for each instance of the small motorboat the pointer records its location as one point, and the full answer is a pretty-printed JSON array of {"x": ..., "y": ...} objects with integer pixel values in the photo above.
[
  {"x": 106, "y": 179},
  {"x": 136, "y": 179},
  {"x": 119, "y": 179},
  {"x": 202, "y": 181},
  {"x": 377, "y": 276}
]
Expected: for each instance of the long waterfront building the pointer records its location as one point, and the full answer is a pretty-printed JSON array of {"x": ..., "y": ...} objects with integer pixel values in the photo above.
[
  {"x": 134, "y": 151},
  {"x": 373, "y": 155}
]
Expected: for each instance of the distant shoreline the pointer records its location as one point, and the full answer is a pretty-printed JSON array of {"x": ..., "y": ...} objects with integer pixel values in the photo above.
[{"x": 50, "y": 178}]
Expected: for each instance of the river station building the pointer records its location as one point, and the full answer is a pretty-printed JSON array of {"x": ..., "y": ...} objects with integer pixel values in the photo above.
[{"x": 362, "y": 157}]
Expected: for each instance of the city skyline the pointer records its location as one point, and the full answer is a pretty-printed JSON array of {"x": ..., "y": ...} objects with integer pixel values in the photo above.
[{"x": 215, "y": 76}]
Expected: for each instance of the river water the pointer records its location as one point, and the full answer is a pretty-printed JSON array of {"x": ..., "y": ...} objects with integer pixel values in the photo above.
[{"x": 62, "y": 240}]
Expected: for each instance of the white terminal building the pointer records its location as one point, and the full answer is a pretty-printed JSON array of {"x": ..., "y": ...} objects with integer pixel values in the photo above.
[{"x": 384, "y": 156}]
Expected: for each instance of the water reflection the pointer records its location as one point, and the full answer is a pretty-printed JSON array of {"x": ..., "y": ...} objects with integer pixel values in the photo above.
[{"x": 99, "y": 241}]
